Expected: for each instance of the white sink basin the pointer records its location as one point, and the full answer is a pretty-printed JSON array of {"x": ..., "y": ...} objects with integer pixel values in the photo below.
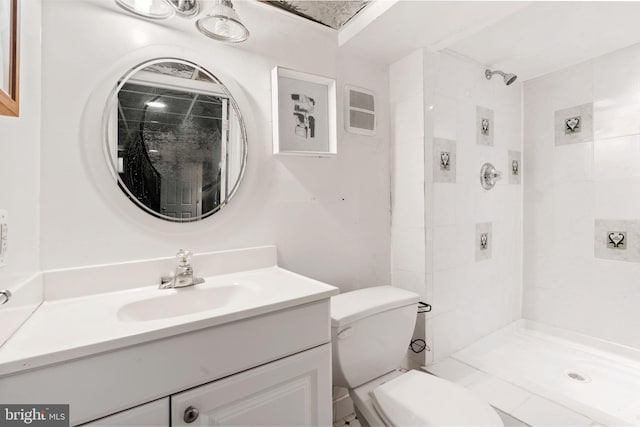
[
  {"x": 105, "y": 321},
  {"x": 183, "y": 301}
]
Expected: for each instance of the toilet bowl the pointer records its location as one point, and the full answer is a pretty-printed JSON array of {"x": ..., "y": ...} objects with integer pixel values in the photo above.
[{"x": 371, "y": 329}]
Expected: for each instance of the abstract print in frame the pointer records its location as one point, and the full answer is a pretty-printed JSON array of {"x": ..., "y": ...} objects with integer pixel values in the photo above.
[{"x": 304, "y": 113}]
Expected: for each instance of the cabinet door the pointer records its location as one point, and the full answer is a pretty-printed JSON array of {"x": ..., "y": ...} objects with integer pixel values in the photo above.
[
  {"x": 152, "y": 414},
  {"x": 294, "y": 391}
]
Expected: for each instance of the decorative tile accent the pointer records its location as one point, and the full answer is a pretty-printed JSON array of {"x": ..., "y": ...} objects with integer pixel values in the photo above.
[
  {"x": 484, "y": 125},
  {"x": 444, "y": 157},
  {"x": 617, "y": 240},
  {"x": 574, "y": 125},
  {"x": 444, "y": 160},
  {"x": 484, "y": 241},
  {"x": 515, "y": 167}
]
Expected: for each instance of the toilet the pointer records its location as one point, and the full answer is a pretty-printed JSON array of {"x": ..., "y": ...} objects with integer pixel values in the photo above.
[{"x": 371, "y": 329}]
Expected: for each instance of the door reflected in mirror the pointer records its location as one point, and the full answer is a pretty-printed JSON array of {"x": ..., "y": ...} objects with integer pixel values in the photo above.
[{"x": 175, "y": 140}]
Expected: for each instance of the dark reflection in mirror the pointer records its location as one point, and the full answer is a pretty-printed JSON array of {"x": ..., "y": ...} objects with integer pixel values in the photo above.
[{"x": 180, "y": 150}]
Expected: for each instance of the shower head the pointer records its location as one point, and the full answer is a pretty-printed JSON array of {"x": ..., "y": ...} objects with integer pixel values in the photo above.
[{"x": 508, "y": 77}]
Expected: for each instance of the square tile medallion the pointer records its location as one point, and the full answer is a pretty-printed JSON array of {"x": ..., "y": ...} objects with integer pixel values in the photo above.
[
  {"x": 484, "y": 126},
  {"x": 514, "y": 169},
  {"x": 574, "y": 125},
  {"x": 484, "y": 241},
  {"x": 444, "y": 160},
  {"x": 617, "y": 240}
]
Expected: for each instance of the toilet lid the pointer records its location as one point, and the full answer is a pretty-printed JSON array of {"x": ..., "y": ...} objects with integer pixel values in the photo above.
[{"x": 420, "y": 399}]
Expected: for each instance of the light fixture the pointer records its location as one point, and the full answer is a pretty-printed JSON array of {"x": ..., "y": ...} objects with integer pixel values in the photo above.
[
  {"x": 160, "y": 9},
  {"x": 153, "y": 9},
  {"x": 156, "y": 104},
  {"x": 223, "y": 23},
  {"x": 185, "y": 7}
]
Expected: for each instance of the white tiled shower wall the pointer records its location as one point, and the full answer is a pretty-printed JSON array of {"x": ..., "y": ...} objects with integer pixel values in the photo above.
[
  {"x": 569, "y": 187},
  {"x": 408, "y": 254},
  {"x": 408, "y": 233},
  {"x": 434, "y": 223}
]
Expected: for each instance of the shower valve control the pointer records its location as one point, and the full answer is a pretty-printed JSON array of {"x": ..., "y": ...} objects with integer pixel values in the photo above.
[{"x": 489, "y": 176}]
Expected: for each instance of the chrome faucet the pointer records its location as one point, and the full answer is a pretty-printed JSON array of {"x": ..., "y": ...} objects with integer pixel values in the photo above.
[{"x": 183, "y": 276}]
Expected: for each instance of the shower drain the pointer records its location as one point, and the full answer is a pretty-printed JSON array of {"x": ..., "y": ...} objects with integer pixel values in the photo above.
[{"x": 578, "y": 377}]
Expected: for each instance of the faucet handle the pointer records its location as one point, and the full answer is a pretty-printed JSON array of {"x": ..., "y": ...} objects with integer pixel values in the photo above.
[{"x": 184, "y": 257}]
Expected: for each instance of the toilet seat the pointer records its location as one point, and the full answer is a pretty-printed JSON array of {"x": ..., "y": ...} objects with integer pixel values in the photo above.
[{"x": 420, "y": 399}]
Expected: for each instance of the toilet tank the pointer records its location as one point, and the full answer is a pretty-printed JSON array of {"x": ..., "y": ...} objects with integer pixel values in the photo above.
[{"x": 371, "y": 331}]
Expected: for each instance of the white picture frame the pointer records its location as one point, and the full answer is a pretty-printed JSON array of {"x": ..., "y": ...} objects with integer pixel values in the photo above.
[{"x": 304, "y": 114}]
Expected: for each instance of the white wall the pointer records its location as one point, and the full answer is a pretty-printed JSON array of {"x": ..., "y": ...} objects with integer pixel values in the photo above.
[
  {"x": 20, "y": 158},
  {"x": 328, "y": 217},
  {"x": 434, "y": 223},
  {"x": 570, "y": 186}
]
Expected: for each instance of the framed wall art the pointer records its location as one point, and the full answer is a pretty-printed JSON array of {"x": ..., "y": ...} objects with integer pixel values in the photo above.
[{"x": 304, "y": 113}]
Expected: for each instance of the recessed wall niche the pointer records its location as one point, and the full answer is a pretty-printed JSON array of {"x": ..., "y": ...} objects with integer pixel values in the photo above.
[
  {"x": 444, "y": 160},
  {"x": 574, "y": 125},
  {"x": 484, "y": 126}
]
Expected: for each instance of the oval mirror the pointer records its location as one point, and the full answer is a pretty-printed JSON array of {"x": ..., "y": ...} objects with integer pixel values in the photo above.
[{"x": 175, "y": 140}]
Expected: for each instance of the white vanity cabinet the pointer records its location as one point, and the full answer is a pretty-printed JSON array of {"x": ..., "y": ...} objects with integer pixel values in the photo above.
[
  {"x": 288, "y": 392},
  {"x": 152, "y": 414},
  {"x": 256, "y": 352},
  {"x": 268, "y": 369}
]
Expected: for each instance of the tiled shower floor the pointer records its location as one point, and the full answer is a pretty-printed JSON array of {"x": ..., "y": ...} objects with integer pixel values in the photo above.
[{"x": 545, "y": 378}]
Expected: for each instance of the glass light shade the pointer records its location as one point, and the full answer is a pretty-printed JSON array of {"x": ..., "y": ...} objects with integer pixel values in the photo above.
[
  {"x": 223, "y": 23},
  {"x": 153, "y": 9},
  {"x": 185, "y": 7}
]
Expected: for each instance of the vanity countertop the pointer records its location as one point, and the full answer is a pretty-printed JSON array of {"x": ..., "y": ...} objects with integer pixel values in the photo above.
[{"x": 66, "y": 329}]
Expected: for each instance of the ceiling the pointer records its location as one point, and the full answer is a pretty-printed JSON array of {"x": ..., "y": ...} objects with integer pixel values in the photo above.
[
  {"x": 526, "y": 38},
  {"x": 333, "y": 14}
]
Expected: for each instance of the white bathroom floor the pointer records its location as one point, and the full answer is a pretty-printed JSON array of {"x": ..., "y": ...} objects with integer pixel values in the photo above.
[{"x": 549, "y": 377}]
